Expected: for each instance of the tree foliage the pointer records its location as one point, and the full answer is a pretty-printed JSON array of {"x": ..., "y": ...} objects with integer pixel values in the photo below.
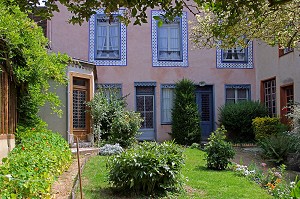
[
  {"x": 185, "y": 117},
  {"x": 275, "y": 22},
  {"x": 23, "y": 54},
  {"x": 230, "y": 21}
]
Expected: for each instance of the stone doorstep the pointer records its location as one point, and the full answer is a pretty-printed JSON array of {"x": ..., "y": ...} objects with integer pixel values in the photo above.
[{"x": 85, "y": 151}]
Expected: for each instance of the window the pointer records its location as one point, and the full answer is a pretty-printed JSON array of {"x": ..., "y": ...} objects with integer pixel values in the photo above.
[
  {"x": 107, "y": 39},
  {"x": 236, "y": 93},
  {"x": 110, "y": 90},
  {"x": 286, "y": 100},
  {"x": 169, "y": 44},
  {"x": 237, "y": 54},
  {"x": 237, "y": 57},
  {"x": 167, "y": 98},
  {"x": 269, "y": 96},
  {"x": 169, "y": 41}
]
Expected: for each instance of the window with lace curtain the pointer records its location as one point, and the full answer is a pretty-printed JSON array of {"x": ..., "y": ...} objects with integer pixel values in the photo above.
[
  {"x": 237, "y": 54},
  {"x": 107, "y": 39},
  {"x": 167, "y": 98},
  {"x": 169, "y": 40}
]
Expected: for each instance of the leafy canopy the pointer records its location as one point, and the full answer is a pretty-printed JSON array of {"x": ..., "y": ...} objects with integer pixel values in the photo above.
[
  {"x": 272, "y": 21},
  {"x": 23, "y": 54}
]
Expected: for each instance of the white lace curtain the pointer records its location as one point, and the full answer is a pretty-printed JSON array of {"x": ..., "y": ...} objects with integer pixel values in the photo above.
[
  {"x": 169, "y": 42},
  {"x": 108, "y": 40},
  {"x": 168, "y": 97}
]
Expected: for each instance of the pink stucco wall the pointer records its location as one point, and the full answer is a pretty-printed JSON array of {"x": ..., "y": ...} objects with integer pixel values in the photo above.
[{"x": 202, "y": 64}]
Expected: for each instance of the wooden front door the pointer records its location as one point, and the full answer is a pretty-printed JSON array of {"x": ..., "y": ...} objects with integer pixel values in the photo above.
[{"x": 80, "y": 95}]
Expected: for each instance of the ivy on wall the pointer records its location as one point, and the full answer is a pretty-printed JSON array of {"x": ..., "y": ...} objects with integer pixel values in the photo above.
[{"x": 24, "y": 55}]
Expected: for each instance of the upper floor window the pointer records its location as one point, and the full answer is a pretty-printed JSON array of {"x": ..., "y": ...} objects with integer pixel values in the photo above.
[
  {"x": 107, "y": 41},
  {"x": 169, "y": 41},
  {"x": 236, "y": 93},
  {"x": 107, "y": 38},
  {"x": 237, "y": 54},
  {"x": 236, "y": 57}
]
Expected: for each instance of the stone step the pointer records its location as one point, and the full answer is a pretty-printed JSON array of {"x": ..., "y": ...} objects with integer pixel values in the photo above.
[
  {"x": 85, "y": 151},
  {"x": 82, "y": 145}
]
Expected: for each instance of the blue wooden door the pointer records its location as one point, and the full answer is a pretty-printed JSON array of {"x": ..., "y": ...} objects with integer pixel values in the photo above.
[{"x": 204, "y": 101}]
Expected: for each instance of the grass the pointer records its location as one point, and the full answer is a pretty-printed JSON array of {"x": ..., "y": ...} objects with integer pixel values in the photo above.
[{"x": 201, "y": 182}]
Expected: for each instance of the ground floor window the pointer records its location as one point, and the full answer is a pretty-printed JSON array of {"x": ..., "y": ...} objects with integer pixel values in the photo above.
[
  {"x": 235, "y": 93},
  {"x": 269, "y": 95},
  {"x": 167, "y": 99},
  {"x": 286, "y": 100}
]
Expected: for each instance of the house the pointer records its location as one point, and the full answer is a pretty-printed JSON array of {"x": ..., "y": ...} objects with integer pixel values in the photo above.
[{"x": 146, "y": 61}]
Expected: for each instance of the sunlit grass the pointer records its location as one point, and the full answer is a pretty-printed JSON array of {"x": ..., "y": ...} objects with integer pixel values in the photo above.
[{"x": 200, "y": 182}]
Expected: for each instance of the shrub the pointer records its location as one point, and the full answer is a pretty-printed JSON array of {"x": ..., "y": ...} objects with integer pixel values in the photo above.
[
  {"x": 277, "y": 147},
  {"x": 185, "y": 117},
  {"x": 109, "y": 149},
  {"x": 266, "y": 126},
  {"x": 195, "y": 146},
  {"x": 33, "y": 165},
  {"x": 112, "y": 123},
  {"x": 237, "y": 119},
  {"x": 147, "y": 167},
  {"x": 218, "y": 151}
]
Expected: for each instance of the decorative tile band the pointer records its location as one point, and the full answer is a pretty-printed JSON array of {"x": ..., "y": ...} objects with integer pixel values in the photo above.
[
  {"x": 238, "y": 86},
  {"x": 112, "y": 85},
  {"x": 167, "y": 85},
  {"x": 144, "y": 83}
]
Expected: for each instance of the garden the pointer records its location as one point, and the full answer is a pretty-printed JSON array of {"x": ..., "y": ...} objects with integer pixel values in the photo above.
[{"x": 183, "y": 168}]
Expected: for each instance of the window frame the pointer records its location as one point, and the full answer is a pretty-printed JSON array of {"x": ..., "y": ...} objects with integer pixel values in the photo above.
[
  {"x": 284, "y": 51},
  {"x": 122, "y": 60},
  {"x": 169, "y": 25},
  {"x": 108, "y": 24},
  {"x": 284, "y": 109},
  {"x": 235, "y": 60},
  {"x": 224, "y": 64},
  {"x": 156, "y": 62},
  {"x": 236, "y": 87},
  {"x": 273, "y": 108},
  {"x": 165, "y": 86}
]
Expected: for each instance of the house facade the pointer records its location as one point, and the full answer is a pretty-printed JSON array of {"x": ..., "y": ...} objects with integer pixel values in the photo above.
[{"x": 144, "y": 62}]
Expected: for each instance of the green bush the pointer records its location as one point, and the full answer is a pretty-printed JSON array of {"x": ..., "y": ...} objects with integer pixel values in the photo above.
[
  {"x": 33, "y": 165},
  {"x": 218, "y": 151},
  {"x": 112, "y": 122},
  {"x": 147, "y": 168},
  {"x": 237, "y": 119},
  {"x": 277, "y": 147},
  {"x": 185, "y": 117},
  {"x": 266, "y": 126},
  {"x": 124, "y": 128}
]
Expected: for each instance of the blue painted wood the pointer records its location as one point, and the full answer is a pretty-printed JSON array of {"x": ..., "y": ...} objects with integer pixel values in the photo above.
[{"x": 204, "y": 100}]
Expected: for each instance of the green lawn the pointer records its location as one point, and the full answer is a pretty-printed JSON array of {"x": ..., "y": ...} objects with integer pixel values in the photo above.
[{"x": 201, "y": 183}]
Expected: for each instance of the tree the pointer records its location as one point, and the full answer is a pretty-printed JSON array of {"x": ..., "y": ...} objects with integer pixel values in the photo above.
[
  {"x": 24, "y": 55},
  {"x": 275, "y": 22},
  {"x": 185, "y": 117}
]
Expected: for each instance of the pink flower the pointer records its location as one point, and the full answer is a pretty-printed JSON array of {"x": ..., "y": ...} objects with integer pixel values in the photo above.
[{"x": 263, "y": 164}]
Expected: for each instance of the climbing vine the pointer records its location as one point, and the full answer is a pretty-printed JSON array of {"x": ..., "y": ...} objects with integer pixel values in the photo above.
[{"x": 24, "y": 55}]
